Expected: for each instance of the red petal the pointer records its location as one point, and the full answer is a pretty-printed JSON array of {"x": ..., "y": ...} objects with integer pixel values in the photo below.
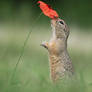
[{"x": 47, "y": 10}]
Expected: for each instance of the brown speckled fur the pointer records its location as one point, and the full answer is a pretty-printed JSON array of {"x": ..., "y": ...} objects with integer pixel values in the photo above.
[{"x": 60, "y": 63}]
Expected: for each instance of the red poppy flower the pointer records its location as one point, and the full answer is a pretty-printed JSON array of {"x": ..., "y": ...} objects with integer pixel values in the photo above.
[{"x": 47, "y": 10}]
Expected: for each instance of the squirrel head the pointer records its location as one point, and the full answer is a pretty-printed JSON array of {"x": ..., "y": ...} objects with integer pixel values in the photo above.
[{"x": 60, "y": 28}]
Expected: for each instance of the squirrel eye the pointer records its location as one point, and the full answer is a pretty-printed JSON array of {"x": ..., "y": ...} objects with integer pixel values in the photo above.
[{"x": 61, "y": 22}]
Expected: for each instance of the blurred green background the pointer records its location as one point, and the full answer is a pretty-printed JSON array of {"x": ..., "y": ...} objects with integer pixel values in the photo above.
[{"x": 17, "y": 19}]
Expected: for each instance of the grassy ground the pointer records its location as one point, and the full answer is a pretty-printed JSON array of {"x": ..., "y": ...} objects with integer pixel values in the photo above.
[{"x": 32, "y": 73}]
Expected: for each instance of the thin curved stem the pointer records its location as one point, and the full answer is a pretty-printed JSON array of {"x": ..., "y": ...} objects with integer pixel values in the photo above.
[{"x": 23, "y": 48}]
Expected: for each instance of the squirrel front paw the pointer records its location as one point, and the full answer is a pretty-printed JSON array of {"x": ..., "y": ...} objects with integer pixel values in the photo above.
[{"x": 45, "y": 45}]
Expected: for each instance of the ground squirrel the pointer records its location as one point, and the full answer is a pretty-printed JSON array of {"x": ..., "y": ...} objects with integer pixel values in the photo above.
[{"x": 60, "y": 63}]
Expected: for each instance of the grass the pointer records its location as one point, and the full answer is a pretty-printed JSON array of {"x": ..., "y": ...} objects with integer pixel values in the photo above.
[{"x": 32, "y": 73}]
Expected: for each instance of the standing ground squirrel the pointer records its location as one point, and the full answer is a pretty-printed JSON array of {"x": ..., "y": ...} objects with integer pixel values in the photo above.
[{"x": 60, "y": 63}]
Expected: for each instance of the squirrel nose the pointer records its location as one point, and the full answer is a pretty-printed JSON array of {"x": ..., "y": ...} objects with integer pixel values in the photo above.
[{"x": 53, "y": 22}]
